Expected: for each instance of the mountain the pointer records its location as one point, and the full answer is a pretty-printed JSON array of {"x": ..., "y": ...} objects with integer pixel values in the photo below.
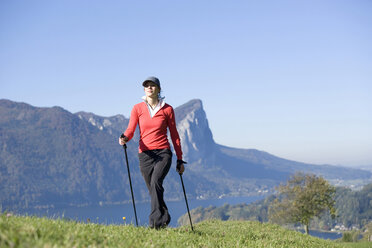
[
  {"x": 196, "y": 137},
  {"x": 51, "y": 157},
  {"x": 111, "y": 125}
]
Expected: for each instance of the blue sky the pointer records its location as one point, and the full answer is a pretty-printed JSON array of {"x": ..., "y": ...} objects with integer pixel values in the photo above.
[{"x": 293, "y": 78}]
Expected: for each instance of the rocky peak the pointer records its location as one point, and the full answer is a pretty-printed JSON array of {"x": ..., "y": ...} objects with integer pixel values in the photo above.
[
  {"x": 113, "y": 125},
  {"x": 196, "y": 137}
]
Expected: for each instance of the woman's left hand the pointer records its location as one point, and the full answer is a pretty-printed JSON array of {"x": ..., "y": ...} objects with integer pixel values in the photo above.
[
  {"x": 180, "y": 166},
  {"x": 181, "y": 170}
]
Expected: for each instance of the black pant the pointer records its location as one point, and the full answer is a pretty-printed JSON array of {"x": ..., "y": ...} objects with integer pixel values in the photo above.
[{"x": 155, "y": 165}]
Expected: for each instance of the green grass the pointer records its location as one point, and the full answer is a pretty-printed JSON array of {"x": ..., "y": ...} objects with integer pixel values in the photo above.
[
  {"x": 17, "y": 231},
  {"x": 360, "y": 244}
]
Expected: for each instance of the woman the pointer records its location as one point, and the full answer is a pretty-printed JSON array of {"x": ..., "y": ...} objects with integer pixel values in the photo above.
[{"x": 154, "y": 116}]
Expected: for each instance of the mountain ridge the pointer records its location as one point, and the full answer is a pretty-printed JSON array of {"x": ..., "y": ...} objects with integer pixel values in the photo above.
[{"x": 49, "y": 156}]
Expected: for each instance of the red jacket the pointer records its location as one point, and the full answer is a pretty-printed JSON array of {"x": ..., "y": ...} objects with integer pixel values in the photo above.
[{"x": 153, "y": 131}]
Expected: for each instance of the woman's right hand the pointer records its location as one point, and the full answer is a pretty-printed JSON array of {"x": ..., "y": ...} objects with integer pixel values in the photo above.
[{"x": 123, "y": 140}]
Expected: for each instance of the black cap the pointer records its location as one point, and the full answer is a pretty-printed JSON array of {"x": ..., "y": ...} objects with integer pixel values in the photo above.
[{"x": 155, "y": 80}]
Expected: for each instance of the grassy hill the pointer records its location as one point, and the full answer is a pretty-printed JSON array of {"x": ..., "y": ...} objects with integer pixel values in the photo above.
[{"x": 17, "y": 231}]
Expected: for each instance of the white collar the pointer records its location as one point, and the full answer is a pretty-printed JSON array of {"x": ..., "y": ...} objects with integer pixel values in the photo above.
[{"x": 157, "y": 108}]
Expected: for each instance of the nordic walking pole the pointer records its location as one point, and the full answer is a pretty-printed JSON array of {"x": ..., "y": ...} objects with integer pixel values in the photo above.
[
  {"x": 187, "y": 205},
  {"x": 130, "y": 183}
]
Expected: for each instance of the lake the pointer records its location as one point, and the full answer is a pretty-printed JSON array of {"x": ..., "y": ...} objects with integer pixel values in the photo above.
[{"x": 113, "y": 214}]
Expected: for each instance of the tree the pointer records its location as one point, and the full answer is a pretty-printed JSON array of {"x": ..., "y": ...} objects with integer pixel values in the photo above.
[
  {"x": 303, "y": 197},
  {"x": 368, "y": 232}
]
